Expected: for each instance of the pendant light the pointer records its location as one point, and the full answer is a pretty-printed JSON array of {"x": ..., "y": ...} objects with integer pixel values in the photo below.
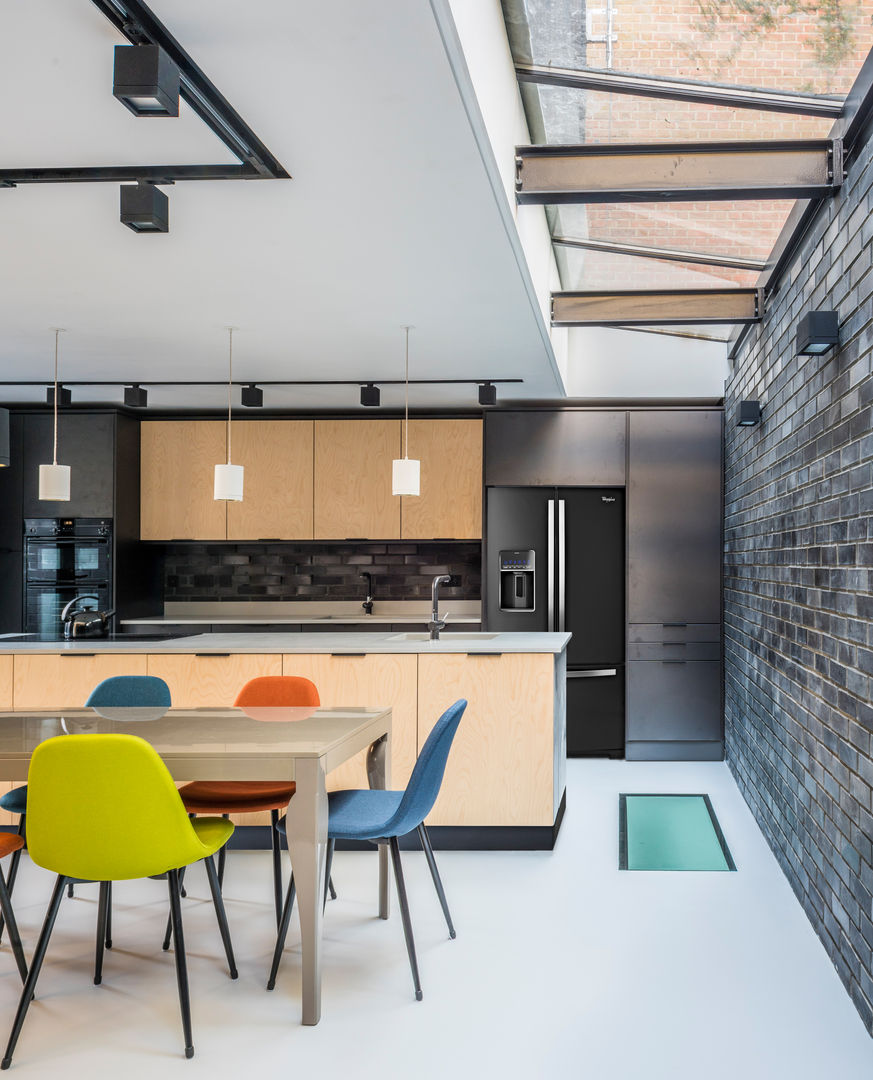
[
  {"x": 406, "y": 471},
  {"x": 229, "y": 478},
  {"x": 54, "y": 479}
]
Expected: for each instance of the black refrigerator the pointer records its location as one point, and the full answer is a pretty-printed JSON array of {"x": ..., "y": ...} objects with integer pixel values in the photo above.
[{"x": 555, "y": 560}]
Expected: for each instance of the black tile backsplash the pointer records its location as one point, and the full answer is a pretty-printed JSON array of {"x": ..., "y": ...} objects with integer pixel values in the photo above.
[{"x": 319, "y": 571}]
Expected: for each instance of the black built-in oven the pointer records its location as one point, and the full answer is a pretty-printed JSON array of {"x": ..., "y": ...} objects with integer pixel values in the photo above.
[{"x": 65, "y": 558}]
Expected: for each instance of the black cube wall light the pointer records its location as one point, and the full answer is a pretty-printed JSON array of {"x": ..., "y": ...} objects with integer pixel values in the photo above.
[
  {"x": 252, "y": 396},
  {"x": 136, "y": 396},
  {"x": 371, "y": 396},
  {"x": 817, "y": 333},
  {"x": 748, "y": 413},
  {"x": 146, "y": 80},
  {"x": 4, "y": 438},
  {"x": 145, "y": 208}
]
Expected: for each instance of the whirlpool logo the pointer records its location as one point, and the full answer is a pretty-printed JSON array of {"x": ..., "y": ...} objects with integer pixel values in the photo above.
[{"x": 607, "y": 498}]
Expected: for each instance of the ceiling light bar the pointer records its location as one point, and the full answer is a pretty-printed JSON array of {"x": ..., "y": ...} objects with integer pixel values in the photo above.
[
  {"x": 683, "y": 172},
  {"x": 735, "y": 97},
  {"x": 641, "y": 306}
]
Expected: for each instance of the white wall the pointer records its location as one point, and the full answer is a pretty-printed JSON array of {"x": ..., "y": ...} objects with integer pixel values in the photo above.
[{"x": 605, "y": 362}]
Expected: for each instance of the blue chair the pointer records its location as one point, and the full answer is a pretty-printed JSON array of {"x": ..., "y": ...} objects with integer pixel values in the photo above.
[
  {"x": 382, "y": 817},
  {"x": 121, "y": 691}
]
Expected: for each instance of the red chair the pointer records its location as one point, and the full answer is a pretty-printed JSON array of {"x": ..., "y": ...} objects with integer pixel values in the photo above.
[
  {"x": 226, "y": 797},
  {"x": 10, "y": 844}
]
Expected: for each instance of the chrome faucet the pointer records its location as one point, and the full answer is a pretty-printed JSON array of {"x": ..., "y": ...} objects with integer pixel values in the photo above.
[
  {"x": 436, "y": 623},
  {"x": 367, "y": 605}
]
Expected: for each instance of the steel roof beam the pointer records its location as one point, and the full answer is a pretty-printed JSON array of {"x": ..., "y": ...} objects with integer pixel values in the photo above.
[{"x": 733, "y": 262}]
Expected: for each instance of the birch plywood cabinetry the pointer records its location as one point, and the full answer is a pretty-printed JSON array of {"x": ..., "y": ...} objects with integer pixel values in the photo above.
[
  {"x": 374, "y": 679},
  {"x": 53, "y": 680},
  {"x": 210, "y": 678},
  {"x": 450, "y": 504},
  {"x": 176, "y": 478},
  {"x": 277, "y": 456},
  {"x": 353, "y": 479},
  {"x": 500, "y": 767}
]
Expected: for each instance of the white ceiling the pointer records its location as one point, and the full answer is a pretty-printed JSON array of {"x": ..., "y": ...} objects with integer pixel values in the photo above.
[{"x": 389, "y": 218}]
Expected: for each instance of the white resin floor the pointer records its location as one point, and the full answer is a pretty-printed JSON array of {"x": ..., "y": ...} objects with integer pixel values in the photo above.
[{"x": 563, "y": 967}]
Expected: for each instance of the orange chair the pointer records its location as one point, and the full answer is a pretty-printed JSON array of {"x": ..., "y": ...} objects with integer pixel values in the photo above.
[{"x": 246, "y": 797}]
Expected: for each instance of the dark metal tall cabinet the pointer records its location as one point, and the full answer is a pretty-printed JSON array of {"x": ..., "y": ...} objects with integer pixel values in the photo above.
[{"x": 674, "y": 498}]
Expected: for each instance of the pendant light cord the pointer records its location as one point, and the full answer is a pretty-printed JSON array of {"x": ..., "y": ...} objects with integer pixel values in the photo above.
[
  {"x": 55, "y": 402},
  {"x": 229, "y": 385},
  {"x": 406, "y": 425}
]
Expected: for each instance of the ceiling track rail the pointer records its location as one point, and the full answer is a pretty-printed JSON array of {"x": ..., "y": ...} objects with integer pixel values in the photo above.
[{"x": 258, "y": 382}]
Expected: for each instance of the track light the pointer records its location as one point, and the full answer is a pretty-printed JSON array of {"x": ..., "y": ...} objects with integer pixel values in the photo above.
[
  {"x": 252, "y": 396},
  {"x": 146, "y": 80},
  {"x": 65, "y": 396},
  {"x": 144, "y": 208},
  {"x": 371, "y": 395},
  {"x": 748, "y": 413},
  {"x": 136, "y": 396},
  {"x": 817, "y": 333},
  {"x": 487, "y": 394}
]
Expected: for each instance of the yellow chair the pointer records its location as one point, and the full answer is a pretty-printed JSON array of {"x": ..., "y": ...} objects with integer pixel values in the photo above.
[{"x": 104, "y": 808}]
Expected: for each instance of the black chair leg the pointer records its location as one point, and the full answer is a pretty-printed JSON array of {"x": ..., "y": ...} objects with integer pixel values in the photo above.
[
  {"x": 404, "y": 913},
  {"x": 108, "y": 938},
  {"x": 168, "y": 933},
  {"x": 283, "y": 933},
  {"x": 10, "y": 881},
  {"x": 222, "y": 859},
  {"x": 9, "y": 920},
  {"x": 331, "y": 890},
  {"x": 70, "y": 890},
  {"x": 35, "y": 966},
  {"x": 181, "y": 965},
  {"x": 277, "y": 865},
  {"x": 220, "y": 914},
  {"x": 331, "y": 844},
  {"x": 103, "y": 903},
  {"x": 435, "y": 874}
]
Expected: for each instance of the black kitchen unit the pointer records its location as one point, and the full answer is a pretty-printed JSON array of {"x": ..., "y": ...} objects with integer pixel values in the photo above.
[
  {"x": 555, "y": 560},
  {"x": 65, "y": 558}
]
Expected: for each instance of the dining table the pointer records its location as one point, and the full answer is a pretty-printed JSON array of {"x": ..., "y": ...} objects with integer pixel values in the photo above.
[{"x": 300, "y": 744}]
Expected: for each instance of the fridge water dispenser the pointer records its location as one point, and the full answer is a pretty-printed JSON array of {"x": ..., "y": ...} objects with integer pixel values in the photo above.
[{"x": 516, "y": 580}]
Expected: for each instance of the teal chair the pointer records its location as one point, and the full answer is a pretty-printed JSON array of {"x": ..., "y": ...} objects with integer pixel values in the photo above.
[
  {"x": 382, "y": 817},
  {"x": 105, "y": 808}
]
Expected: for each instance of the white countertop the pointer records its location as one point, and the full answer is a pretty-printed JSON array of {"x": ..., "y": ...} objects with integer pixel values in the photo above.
[
  {"x": 338, "y": 643},
  {"x": 308, "y": 613}
]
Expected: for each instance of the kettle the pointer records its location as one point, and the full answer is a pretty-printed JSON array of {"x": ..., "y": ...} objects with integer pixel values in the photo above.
[{"x": 85, "y": 622}]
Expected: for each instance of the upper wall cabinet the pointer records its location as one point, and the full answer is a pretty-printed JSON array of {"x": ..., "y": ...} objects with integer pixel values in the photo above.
[
  {"x": 564, "y": 448},
  {"x": 353, "y": 496},
  {"x": 674, "y": 508},
  {"x": 177, "y": 463},
  {"x": 450, "y": 504},
  {"x": 277, "y": 455}
]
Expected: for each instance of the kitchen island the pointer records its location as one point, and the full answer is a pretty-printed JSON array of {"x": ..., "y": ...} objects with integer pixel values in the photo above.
[{"x": 505, "y": 779}]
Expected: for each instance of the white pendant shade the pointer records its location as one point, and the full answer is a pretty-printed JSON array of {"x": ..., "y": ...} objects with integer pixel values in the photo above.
[
  {"x": 54, "y": 483},
  {"x": 406, "y": 477},
  {"x": 228, "y": 482}
]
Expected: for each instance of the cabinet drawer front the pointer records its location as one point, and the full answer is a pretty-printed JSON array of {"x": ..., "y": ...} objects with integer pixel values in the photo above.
[
  {"x": 196, "y": 681},
  {"x": 675, "y": 650},
  {"x": 677, "y": 631},
  {"x": 50, "y": 681},
  {"x": 674, "y": 701},
  {"x": 371, "y": 679}
]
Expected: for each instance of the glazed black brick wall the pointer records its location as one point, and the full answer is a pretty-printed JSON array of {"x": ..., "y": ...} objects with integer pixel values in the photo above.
[
  {"x": 798, "y": 568},
  {"x": 318, "y": 571}
]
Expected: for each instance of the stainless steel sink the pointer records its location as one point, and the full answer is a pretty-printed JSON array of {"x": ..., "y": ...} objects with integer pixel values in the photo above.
[{"x": 472, "y": 636}]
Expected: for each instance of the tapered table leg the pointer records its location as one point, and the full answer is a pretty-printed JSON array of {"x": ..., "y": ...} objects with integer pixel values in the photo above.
[
  {"x": 307, "y": 846},
  {"x": 379, "y": 777}
]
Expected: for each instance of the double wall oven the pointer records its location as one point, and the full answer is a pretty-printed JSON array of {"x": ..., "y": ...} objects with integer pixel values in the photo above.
[{"x": 65, "y": 558}]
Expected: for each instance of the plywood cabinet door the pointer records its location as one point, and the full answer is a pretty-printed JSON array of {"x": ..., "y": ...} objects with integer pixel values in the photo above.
[
  {"x": 176, "y": 475},
  {"x": 5, "y": 682},
  {"x": 500, "y": 767},
  {"x": 374, "y": 679},
  {"x": 277, "y": 456},
  {"x": 450, "y": 503},
  {"x": 55, "y": 680},
  {"x": 210, "y": 679},
  {"x": 353, "y": 479}
]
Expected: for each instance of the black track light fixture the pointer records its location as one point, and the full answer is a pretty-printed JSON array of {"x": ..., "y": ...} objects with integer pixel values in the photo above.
[
  {"x": 817, "y": 333},
  {"x": 65, "y": 396},
  {"x": 748, "y": 413},
  {"x": 136, "y": 396},
  {"x": 146, "y": 81},
  {"x": 487, "y": 394},
  {"x": 145, "y": 208},
  {"x": 252, "y": 397},
  {"x": 371, "y": 395}
]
